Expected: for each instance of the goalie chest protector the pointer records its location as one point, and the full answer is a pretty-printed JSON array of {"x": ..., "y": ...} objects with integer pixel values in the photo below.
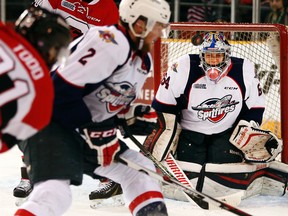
[{"x": 203, "y": 104}]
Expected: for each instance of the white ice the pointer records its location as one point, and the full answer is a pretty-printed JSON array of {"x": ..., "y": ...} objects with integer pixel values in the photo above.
[{"x": 10, "y": 164}]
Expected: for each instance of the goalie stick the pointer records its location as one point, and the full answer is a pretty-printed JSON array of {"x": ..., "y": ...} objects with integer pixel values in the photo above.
[
  {"x": 180, "y": 176},
  {"x": 193, "y": 194}
]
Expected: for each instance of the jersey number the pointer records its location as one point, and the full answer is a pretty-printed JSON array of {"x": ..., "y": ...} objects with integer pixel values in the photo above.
[
  {"x": 165, "y": 81},
  {"x": 20, "y": 87},
  {"x": 91, "y": 53}
]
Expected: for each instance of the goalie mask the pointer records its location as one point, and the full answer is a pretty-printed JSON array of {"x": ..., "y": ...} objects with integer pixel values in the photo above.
[
  {"x": 47, "y": 32},
  {"x": 215, "y": 56}
]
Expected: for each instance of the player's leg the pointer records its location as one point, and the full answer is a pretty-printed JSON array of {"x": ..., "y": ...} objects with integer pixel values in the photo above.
[
  {"x": 141, "y": 193},
  {"x": 220, "y": 150},
  {"x": 24, "y": 188},
  {"x": 54, "y": 158},
  {"x": 107, "y": 194},
  {"x": 192, "y": 148}
]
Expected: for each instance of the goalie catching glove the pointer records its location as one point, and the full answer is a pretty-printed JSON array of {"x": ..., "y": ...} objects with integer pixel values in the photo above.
[
  {"x": 140, "y": 118},
  {"x": 102, "y": 137},
  {"x": 256, "y": 144}
]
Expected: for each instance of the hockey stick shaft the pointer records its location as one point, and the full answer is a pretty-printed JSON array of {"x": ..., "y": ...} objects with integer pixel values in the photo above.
[
  {"x": 148, "y": 154},
  {"x": 180, "y": 176},
  {"x": 189, "y": 191}
]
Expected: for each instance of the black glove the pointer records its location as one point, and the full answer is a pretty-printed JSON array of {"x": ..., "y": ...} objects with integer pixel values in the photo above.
[{"x": 140, "y": 119}]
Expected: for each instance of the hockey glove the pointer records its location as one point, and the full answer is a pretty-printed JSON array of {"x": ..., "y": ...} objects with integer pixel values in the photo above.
[
  {"x": 141, "y": 119},
  {"x": 104, "y": 140},
  {"x": 256, "y": 144},
  {"x": 7, "y": 142}
]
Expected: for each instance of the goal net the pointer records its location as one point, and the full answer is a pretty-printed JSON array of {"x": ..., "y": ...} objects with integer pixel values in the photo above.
[{"x": 263, "y": 44}]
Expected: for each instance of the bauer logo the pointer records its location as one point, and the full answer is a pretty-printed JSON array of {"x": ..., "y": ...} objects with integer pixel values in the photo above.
[{"x": 215, "y": 109}]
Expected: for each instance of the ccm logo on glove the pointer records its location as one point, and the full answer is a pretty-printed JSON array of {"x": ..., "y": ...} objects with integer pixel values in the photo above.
[{"x": 103, "y": 134}]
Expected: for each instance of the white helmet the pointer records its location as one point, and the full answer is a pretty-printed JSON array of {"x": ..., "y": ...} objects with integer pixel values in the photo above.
[{"x": 153, "y": 10}]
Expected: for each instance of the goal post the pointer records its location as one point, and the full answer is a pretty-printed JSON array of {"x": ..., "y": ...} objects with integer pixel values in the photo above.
[{"x": 266, "y": 45}]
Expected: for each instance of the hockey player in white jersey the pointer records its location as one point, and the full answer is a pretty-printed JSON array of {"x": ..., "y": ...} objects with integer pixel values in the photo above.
[
  {"x": 80, "y": 15},
  {"x": 209, "y": 93},
  {"x": 105, "y": 71},
  {"x": 206, "y": 96}
]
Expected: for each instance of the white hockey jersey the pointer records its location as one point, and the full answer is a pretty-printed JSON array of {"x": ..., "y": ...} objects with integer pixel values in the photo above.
[
  {"x": 102, "y": 75},
  {"x": 206, "y": 107}
]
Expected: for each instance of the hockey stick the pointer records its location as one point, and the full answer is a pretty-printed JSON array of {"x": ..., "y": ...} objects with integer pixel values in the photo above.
[
  {"x": 148, "y": 154},
  {"x": 195, "y": 195},
  {"x": 178, "y": 173}
]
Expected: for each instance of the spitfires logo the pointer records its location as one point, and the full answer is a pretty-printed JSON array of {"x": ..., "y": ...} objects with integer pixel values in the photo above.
[
  {"x": 107, "y": 36},
  {"x": 215, "y": 109},
  {"x": 117, "y": 95}
]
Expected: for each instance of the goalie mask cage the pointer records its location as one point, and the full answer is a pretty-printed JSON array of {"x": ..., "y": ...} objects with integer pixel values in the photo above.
[{"x": 257, "y": 42}]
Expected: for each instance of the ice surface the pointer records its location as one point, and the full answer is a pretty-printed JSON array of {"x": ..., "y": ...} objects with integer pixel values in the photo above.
[{"x": 10, "y": 164}]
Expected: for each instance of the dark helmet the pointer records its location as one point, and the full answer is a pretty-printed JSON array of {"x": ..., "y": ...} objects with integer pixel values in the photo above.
[{"x": 46, "y": 31}]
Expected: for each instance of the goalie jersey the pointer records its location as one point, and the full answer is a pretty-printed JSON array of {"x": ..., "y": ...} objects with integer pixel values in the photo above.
[
  {"x": 206, "y": 107},
  {"x": 102, "y": 76}
]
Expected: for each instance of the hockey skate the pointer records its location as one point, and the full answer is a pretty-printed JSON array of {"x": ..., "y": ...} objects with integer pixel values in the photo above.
[
  {"x": 107, "y": 195},
  {"x": 22, "y": 191}
]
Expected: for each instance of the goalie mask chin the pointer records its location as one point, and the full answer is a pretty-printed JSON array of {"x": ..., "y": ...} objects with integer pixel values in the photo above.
[{"x": 215, "y": 56}]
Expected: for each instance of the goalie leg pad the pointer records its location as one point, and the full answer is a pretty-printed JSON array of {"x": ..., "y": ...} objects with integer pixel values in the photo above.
[{"x": 164, "y": 138}]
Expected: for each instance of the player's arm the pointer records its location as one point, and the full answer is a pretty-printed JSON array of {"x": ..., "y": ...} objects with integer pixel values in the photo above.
[
  {"x": 254, "y": 99},
  {"x": 88, "y": 61}
]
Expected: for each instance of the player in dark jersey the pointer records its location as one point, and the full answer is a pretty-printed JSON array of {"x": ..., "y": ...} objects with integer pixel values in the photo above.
[
  {"x": 26, "y": 55},
  {"x": 104, "y": 73},
  {"x": 80, "y": 15}
]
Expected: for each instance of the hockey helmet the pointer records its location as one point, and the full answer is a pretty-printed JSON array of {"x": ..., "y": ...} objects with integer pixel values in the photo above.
[
  {"x": 47, "y": 32},
  {"x": 153, "y": 10},
  {"x": 215, "y": 44}
]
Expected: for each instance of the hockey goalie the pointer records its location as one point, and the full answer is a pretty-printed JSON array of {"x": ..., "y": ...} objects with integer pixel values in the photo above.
[{"x": 217, "y": 101}]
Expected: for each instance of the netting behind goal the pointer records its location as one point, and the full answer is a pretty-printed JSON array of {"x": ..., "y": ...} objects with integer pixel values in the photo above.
[{"x": 257, "y": 42}]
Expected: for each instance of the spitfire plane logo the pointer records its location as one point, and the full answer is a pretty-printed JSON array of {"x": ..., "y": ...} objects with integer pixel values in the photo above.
[
  {"x": 117, "y": 95},
  {"x": 215, "y": 109},
  {"x": 107, "y": 36}
]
